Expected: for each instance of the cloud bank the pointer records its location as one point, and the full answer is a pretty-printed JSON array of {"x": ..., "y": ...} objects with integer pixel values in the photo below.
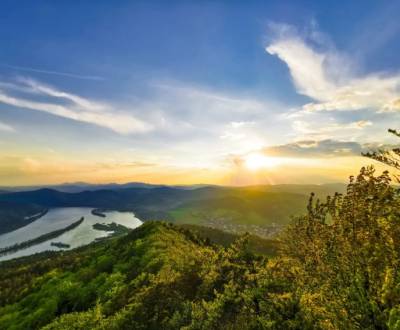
[{"x": 314, "y": 148}]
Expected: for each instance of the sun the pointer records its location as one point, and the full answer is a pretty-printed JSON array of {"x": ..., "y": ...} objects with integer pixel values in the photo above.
[{"x": 256, "y": 161}]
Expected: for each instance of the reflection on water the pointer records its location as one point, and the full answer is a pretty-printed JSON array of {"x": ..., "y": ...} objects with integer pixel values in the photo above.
[{"x": 59, "y": 218}]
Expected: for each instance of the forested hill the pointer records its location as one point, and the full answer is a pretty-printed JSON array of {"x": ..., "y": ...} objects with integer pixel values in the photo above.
[
  {"x": 14, "y": 215},
  {"x": 258, "y": 205},
  {"x": 337, "y": 268},
  {"x": 156, "y": 197},
  {"x": 146, "y": 280}
]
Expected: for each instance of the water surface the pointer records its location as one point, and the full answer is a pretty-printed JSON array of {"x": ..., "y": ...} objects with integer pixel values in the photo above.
[{"x": 59, "y": 218}]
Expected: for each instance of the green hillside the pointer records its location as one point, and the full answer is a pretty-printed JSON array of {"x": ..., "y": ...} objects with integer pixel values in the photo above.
[
  {"x": 257, "y": 244},
  {"x": 146, "y": 280},
  {"x": 242, "y": 207}
]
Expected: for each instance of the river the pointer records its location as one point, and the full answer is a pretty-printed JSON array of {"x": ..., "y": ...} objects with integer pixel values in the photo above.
[{"x": 58, "y": 218}]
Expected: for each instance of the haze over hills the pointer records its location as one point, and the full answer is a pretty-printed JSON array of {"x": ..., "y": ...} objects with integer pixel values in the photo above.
[
  {"x": 84, "y": 186},
  {"x": 214, "y": 206},
  {"x": 79, "y": 186}
]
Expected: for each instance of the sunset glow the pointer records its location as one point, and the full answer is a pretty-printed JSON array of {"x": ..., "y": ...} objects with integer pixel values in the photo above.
[
  {"x": 259, "y": 94},
  {"x": 257, "y": 161}
]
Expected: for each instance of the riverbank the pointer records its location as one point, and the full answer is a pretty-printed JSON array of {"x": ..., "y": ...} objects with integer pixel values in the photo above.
[{"x": 40, "y": 239}]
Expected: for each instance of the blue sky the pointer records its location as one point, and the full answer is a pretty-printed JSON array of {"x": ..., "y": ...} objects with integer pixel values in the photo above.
[{"x": 185, "y": 91}]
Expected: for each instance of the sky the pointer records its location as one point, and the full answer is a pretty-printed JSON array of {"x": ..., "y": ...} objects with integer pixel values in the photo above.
[{"x": 183, "y": 92}]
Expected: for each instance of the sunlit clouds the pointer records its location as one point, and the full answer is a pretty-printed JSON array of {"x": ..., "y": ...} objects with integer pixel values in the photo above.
[
  {"x": 322, "y": 73},
  {"x": 162, "y": 127},
  {"x": 75, "y": 107}
]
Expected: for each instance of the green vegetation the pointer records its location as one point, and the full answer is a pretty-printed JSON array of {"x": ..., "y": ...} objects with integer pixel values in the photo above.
[
  {"x": 256, "y": 244},
  {"x": 337, "y": 268},
  {"x": 113, "y": 227},
  {"x": 99, "y": 213},
  {"x": 243, "y": 206},
  {"x": 241, "y": 210},
  {"x": 389, "y": 157},
  {"x": 40, "y": 239},
  {"x": 60, "y": 245},
  {"x": 346, "y": 256},
  {"x": 158, "y": 276}
]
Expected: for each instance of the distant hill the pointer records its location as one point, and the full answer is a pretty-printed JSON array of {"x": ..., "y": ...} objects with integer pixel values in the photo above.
[
  {"x": 242, "y": 207},
  {"x": 126, "y": 199},
  {"x": 204, "y": 205},
  {"x": 14, "y": 215},
  {"x": 76, "y": 187},
  {"x": 321, "y": 191},
  {"x": 80, "y": 187}
]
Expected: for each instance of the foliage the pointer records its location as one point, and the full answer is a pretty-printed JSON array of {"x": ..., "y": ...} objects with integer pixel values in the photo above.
[
  {"x": 389, "y": 157},
  {"x": 256, "y": 244},
  {"x": 337, "y": 268},
  {"x": 115, "y": 228},
  {"x": 346, "y": 252},
  {"x": 158, "y": 276}
]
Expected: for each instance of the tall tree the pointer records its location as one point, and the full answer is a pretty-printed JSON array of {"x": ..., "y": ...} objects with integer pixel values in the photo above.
[{"x": 389, "y": 157}]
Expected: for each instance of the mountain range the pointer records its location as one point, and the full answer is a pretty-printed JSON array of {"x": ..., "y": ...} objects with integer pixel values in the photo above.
[{"x": 200, "y": 205}]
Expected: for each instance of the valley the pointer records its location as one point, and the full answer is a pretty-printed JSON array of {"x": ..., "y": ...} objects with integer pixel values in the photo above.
[
  {"x": 267, "y": 206},
  {"x": 262, "y": 211}
]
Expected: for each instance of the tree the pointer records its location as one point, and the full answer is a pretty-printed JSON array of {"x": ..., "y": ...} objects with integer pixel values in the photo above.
[
  {"x": 389, "y": 157},
  {"x": 346, "y": 251}
]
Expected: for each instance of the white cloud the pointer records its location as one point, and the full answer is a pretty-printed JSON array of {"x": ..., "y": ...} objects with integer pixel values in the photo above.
[
  {"x": 78, "y": 108},
  {"x": 6, "y": 128},
  {"x": 53, "y": 92},
  {"x": 51, "y": 72},
  {"x": 188, "y": 111},
  {"x": 315, "y": 148},
  {"x": 200, "y": 101},
  {"x": 310, "y": 129},
  {"x": 323, "y": 75},
  {"x": 306, "y": 67},
  {"x": 238, "y": 124}
]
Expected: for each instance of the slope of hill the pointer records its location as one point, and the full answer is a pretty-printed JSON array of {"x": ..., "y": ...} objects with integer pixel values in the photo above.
[
  {"x": 239, "y": 207},
  {"x": 14, "y": 215},
  {"x": 157, "y": 277},
  {"x": 257, "y": 244}
]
